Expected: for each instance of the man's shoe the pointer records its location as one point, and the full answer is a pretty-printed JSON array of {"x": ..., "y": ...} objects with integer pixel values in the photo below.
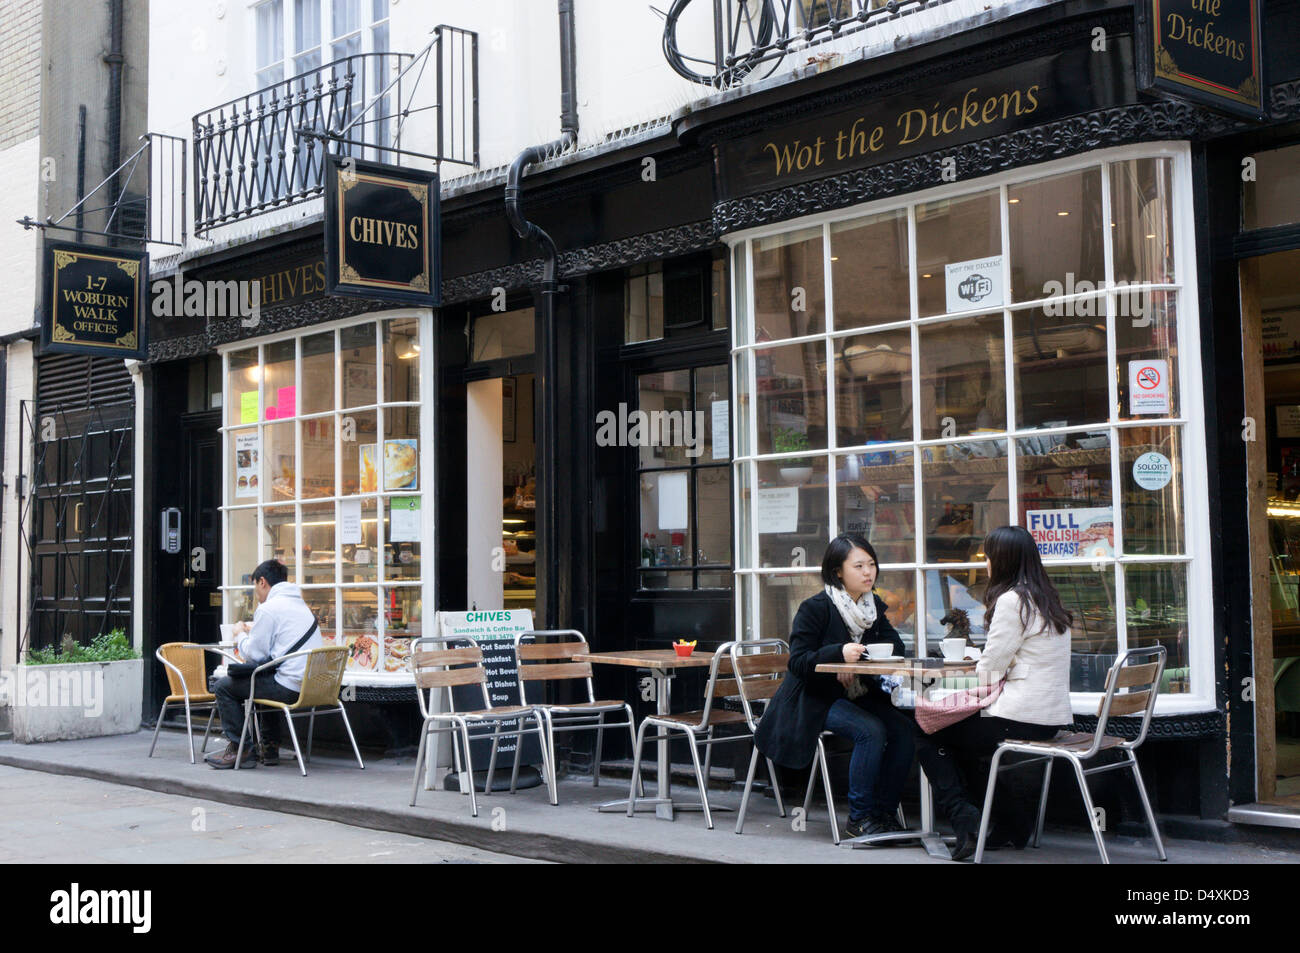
[
  {"x": 227, "y": 758},
  {"x": 269, "y": 755}
]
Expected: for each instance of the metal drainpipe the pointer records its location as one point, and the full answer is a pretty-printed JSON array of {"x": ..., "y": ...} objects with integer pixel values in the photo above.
[
  {"x": 114, "y": 59},
  {"x": 546, "y": 412}
]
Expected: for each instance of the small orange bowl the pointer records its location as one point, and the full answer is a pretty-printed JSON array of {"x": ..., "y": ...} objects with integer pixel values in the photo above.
[{"x": 683, "y": 649}]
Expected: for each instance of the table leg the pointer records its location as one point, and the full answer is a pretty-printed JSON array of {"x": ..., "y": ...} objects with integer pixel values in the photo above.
[{"x": 664, "y": 786}]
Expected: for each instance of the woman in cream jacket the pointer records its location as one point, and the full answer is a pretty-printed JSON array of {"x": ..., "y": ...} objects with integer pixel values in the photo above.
[{"x": 1028, "y": 642}]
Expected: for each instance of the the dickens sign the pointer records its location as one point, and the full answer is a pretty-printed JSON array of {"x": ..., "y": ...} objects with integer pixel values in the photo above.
[
  {"x": 94, "y": 301},
  {"x": 1207, "y": 51},
  {"x": 381, "y": 231}
]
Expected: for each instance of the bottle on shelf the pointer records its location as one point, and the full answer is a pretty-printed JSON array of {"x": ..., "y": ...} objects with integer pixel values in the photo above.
[
  {"x": 678, "y": 542},
  {"x": 647, "y": 551}
]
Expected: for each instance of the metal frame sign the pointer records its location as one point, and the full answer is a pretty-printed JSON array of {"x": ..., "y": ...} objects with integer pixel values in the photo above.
[
  {"x": 94, "y": 301},
  {"x": 382, "y": 237},
  {"x": 1207, "y": 51}
]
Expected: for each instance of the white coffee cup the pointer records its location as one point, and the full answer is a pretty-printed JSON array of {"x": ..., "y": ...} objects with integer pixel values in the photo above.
[
  {"x": 880, "y": 650},
  {"x": 954, "y": 650}
]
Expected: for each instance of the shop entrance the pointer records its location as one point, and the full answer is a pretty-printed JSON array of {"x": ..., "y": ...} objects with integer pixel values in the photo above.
[
  {"x": 1271, "y": 319},
  {"x": 501, "y": 493}
]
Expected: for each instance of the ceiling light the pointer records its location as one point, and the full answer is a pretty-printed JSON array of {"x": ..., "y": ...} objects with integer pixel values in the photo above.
[
  {"x": 1062, "y": 214},
  {"x": 1013, "y": 201}
]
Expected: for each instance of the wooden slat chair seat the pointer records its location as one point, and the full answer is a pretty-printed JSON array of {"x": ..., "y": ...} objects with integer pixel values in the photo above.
[
  {"x": 187, "y": 681},
  {"x": 545, "y": 657},
  {"x": 722, "y": 684},
  {"x": 1131, "y": 688},
  {"x": 442, "y": 669},
  {"x": 322, "y": 683}
]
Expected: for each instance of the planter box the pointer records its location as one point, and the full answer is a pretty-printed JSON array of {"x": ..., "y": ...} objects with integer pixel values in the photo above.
[{"x": 81, "y": 700}]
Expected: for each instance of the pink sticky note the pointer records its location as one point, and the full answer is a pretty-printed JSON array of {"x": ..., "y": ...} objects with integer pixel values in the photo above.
[
  {"x": 270, "y": 413},
  {"x": 286, "y": 399}
]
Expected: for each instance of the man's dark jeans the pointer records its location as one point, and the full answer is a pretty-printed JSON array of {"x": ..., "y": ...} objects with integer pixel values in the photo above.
[{"x": 232, "y": 693}]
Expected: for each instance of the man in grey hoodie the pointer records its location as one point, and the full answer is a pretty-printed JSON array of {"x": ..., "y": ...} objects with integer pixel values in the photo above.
[{"x": 281, "y": 620}]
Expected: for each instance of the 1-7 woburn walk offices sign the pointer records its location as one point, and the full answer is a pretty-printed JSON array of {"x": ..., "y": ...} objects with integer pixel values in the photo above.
[{"x": 94, "y": 301}]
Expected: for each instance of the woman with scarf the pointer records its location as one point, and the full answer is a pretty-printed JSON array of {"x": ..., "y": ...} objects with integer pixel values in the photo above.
[{"x": 837, "y": 625}]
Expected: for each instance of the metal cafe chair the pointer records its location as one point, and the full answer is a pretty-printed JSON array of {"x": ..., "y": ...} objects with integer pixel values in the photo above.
[
  {"x": 434, "y": 673},
  {"x": 760, "y": 668},
  {"x": 1131, "y": 688},
  {"x": 322, "y": 681},
  {"x": 187, "y": 677},
  {"x": 693, "y": 724},
  {"x": 552, "y": 660}
]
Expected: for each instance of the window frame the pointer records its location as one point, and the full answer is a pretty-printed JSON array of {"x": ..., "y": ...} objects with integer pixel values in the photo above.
[{"x": 1197, "y": 553}]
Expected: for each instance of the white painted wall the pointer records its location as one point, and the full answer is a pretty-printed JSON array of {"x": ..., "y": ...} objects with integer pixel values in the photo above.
[{"x": 483, "y": 499}]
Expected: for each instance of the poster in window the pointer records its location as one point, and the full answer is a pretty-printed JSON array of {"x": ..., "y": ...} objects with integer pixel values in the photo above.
[
  {"x": 368, "y": 464},
  {"x": 247, "y": 452},
  {"x": 401, "y": 464},
  {"x": 404, "y": 519},
  {"x": 358, "y": 383}
]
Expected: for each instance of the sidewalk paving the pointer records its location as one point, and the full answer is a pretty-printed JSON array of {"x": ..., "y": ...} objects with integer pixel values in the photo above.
[{"x": 378, "y": 798}]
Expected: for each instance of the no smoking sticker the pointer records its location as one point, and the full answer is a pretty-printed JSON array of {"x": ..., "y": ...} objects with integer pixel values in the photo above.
[{"x": 1148, "y": 388}]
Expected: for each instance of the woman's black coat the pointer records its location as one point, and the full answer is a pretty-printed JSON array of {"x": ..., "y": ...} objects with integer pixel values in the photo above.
[{"x": 788, "y": 730}]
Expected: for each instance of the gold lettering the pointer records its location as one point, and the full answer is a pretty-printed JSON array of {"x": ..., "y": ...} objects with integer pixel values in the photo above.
[{"x": 908, "y": 138}]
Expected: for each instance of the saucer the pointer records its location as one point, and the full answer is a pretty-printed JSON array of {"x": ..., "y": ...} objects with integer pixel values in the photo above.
[
  {"x": 887, "y": 658},
  {"x": 964, "y": 661}
]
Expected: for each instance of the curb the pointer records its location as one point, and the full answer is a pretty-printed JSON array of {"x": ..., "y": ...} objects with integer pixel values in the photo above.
[{"x": 472, "y": 833}]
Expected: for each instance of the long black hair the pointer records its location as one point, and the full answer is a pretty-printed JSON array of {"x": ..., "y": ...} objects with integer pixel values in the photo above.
[
  {"x": 838, "y": 551},
  {"x": 1016, "y": 565}
]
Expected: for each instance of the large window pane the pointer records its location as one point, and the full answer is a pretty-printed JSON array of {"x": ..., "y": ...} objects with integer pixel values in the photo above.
[
  {"x": 402, "y": 552},
  {"x": 963, "y": 382},
  {"x": 403, "y": 619},
  {"x": 318, "y": 543},
  {"x": 242, "y": 405},
  {"x": 1141, "y": 217},
  {"x": 666, "y": 502},
  {"x": 245, "y": 475},
  {"x": 793, "y": 511},
  {"x": 1151, "y": 477},
  {"x": 1157, "y": 615},
  {"x": 362, "y": 453},
  {"x": 280, "y": 461},
  {"x": 1146, "y": 351},
  {"x": 359, "y": 561},
  {"x": 1273, "y": 198},
  {"x": 279, "y": 537},
  {"x": 869, "y": 271},
  {"x": 791, "y": 397},
  {"x": 507, "y": 334},
  {"x": 1065, "y": 494},
  {"x": 779, "y": 596},
  {"x": 318, "y": 438},
  {"x": 1060, "y": 365},
  {"x": 950, "y": 594},
  {"x": 873, "y": 380},
  {"x": 965, "y": 497},
  {"x": 789, "y": 285},
  {"x": 360, "y": 608},
  {"x": 317, "y": 373},
  {"x": 665, "y": 400},
  {"x": 241, "y": 543},
  {"x": 713, "y": 509},
  {"x": 643, "y": 306},
  {"x": 401, "y": 448},
  {"x": 360, "y": 376},
  {"x": 897, "y": 590},
  {"x": 402, "y": 360},
  {"x": 1088, "y": 594},
  {"x": 281, "y": 393},
  {"x": 713, "y": 393},
  {"x": 874, "y": 497},
  {"x": 1056, "y": 235},
  {"x": 952, "y": 231},
  {"x": 323, "y": 603}
]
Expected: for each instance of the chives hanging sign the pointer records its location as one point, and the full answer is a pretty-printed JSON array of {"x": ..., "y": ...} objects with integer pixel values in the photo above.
[
  {"x": 1207, "y": 51},
  {"x": 381, "y": 231},
  {"x": 94, "y": 301}
]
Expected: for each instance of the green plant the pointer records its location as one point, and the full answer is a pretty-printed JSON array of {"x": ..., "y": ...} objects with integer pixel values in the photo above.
[
  {"x": 789, "y": 440},
  {"x": 112, "y": 646}
]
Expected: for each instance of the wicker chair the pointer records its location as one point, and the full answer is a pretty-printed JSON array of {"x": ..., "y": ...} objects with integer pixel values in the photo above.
[
  {"x": 321, "y": 683},
  {"x": 187, "y": 679}
]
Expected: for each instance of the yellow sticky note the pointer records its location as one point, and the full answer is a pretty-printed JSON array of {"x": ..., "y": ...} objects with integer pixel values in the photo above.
[{"x": 248, "y": 408}]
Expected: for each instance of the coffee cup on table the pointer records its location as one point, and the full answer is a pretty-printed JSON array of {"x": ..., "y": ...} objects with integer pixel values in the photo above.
[
  {"x": 879, "y": 650},
  {"x": 954, "y": 650}
]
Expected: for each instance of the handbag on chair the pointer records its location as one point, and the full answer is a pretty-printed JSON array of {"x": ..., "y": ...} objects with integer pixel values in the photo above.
[{"x": 933, "y": 714}]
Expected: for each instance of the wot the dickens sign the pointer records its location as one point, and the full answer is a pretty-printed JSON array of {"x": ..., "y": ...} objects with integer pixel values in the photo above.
[
  {"x": 1207, "y": 51},
  {"x": 94, "y": 301},
  {"x": 381, "y": 231}
]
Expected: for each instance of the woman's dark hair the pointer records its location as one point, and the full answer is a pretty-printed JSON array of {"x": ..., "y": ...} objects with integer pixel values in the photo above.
[
  {"x": 1016, "y": 564},
  {"x": 272, "y": 571},
  {"x": 838, "y": 551}
]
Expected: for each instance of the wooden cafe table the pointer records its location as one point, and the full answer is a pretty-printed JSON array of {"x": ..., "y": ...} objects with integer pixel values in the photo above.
[
  {"x": 917, "y": 672},
  {"x": 662, "y": 665}
]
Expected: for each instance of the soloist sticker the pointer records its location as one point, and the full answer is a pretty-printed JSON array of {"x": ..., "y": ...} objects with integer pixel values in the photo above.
[{"x": 1152, "y": 471}]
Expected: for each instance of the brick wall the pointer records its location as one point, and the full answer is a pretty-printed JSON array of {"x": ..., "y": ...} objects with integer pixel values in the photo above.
[{"x": 20, "y": 70}]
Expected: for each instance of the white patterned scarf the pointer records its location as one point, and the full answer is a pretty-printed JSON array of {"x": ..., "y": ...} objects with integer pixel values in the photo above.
[{"x": 858, "y": 618}]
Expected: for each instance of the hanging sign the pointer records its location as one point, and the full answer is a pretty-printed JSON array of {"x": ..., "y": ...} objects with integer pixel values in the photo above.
[
  {"x": 1207, "y": 51},
  {"x": 94, "y": 301},
  {"x": 382, "y": 235}
]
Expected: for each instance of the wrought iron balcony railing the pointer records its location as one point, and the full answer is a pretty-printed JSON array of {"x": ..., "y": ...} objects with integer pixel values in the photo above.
[
  {"x": 267, "y": 150},
  {"x": 750, "y": 38}
]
